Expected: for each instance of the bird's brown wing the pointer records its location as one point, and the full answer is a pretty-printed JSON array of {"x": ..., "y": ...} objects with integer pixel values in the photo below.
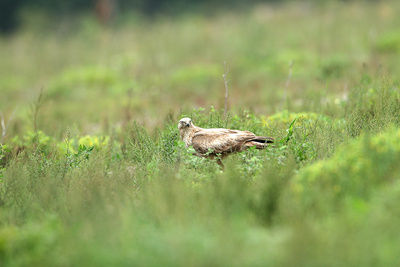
[{"x": 220, "y": 141}]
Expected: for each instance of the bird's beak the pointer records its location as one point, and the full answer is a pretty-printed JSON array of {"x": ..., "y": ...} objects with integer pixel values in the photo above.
[{"x": 185, "y": 124}]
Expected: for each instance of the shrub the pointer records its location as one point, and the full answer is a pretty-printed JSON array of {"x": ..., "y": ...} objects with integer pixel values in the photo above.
[
  {"x": 389, "y": 42},
  {"x": 350, "y": 177},
  {"x": 334, "y": 67},
  {"x": 286, "y": 117},
  {"x": 372, "y": 107},
  {"x": 38, "y": 140}
]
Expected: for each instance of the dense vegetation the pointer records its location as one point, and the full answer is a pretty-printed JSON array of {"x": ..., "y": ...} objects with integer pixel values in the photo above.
[{"x": 92, "y": 171}]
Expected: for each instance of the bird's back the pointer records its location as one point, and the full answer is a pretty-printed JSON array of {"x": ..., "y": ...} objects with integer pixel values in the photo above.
[{"x": 223, "y": 141}]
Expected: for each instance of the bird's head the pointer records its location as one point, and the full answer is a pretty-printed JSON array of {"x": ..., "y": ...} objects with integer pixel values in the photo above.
[{"x": 185, "y": 123}]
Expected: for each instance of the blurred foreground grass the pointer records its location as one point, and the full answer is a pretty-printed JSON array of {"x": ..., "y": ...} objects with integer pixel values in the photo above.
[{"x": 94, "y": 174}]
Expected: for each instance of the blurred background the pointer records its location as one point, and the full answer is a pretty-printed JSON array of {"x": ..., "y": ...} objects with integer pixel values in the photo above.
[{"x": 103, "y": 63}]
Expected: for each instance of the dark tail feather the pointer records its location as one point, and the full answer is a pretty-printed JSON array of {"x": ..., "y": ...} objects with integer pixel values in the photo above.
[
  {"x": 260, "y": 142},
  {"x": 263, "y": 139}
]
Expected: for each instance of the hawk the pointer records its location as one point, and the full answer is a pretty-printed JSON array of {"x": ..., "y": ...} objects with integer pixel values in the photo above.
[{"x": 217, "y": 141}]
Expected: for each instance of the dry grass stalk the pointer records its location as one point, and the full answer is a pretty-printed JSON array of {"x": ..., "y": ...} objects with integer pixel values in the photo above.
[
  {"x": 226, "y": 70},
  {"x": 4, "y": 126}
]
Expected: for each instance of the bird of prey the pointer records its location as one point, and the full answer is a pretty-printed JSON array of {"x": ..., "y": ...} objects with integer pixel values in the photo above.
[{"x": 217, "y": 141}]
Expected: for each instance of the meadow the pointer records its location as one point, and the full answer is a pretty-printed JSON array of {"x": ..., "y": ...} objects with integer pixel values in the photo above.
[{"x": 93, "y": 173}]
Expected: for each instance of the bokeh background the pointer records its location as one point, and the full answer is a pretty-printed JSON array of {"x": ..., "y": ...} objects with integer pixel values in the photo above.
[{"x": 104, "y": 63}]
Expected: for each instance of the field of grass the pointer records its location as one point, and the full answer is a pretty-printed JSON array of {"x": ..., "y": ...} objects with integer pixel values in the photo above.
[{"x": 92, "y": 171}]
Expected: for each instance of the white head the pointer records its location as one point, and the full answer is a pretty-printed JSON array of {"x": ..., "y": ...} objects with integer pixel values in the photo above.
[{"x": 185, "y": 123}]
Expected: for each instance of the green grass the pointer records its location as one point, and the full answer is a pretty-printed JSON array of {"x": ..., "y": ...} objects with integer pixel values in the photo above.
[{"x": 92, "y": 171}]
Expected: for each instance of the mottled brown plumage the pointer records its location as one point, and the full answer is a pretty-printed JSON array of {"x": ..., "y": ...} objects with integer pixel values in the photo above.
[{"x": 218, "y": 141}]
